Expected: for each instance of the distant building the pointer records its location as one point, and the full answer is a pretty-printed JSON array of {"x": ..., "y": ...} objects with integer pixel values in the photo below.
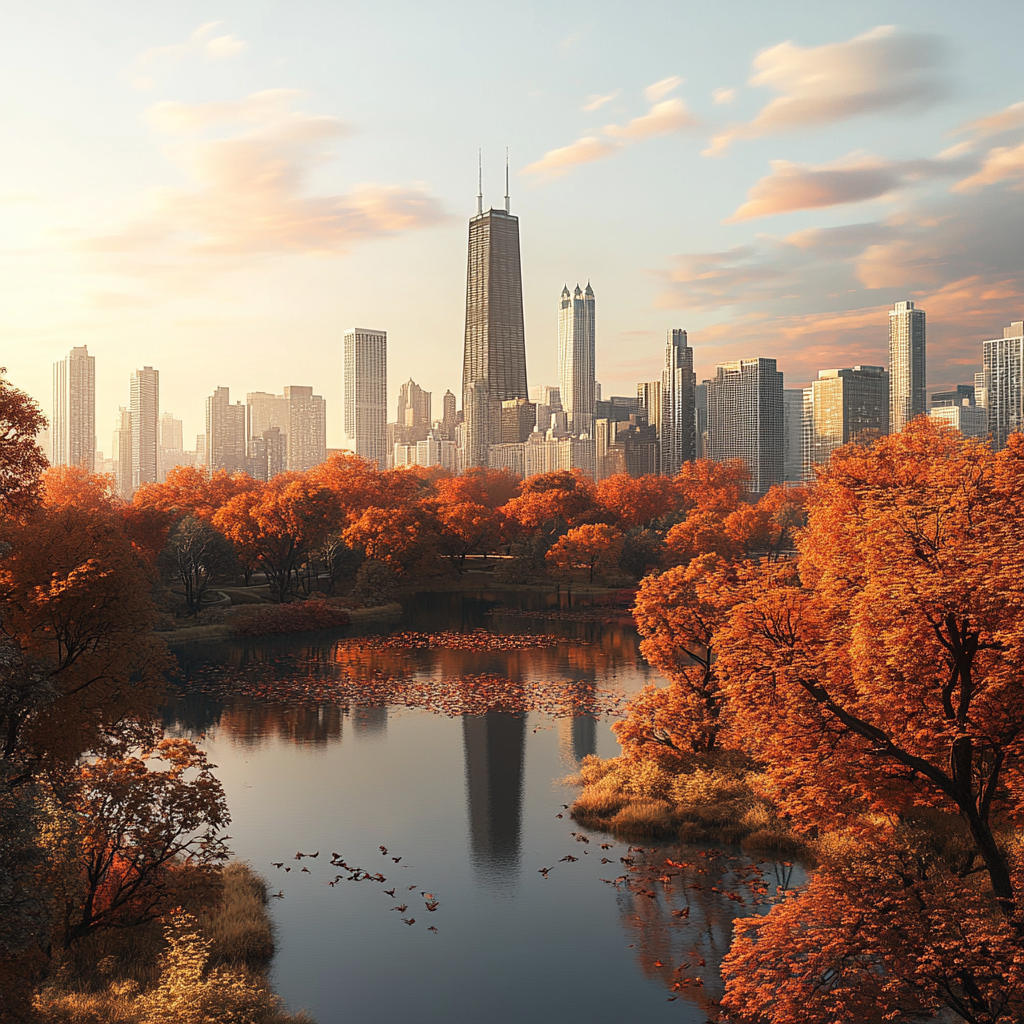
[
  {"x": 145, "y": 403},
  {"x": 700, "y": 404},
  {"x": 449, "y": 417},
  {"x": 980, "y": 391},
  {"x": 648, "y": 395},
  {"x": 172, "y": 453},
  {"x": 414, "y": 409},
  {"x": 840, "y": 406},
  {"x": 962, "y": 394},
  {"x": 366, "y": 374},
  {"x": 793, "y": 430},
  {"x": 494, "y": 354},
  {"x": 617, "y": 407},
  {"x": 306, "y": 443},
  {"x": 970, "y": 420},
  {"x": 576, "y": 356},
  {"x": 906, "y": 365},
  {"x": 268, "y": 454},
  {"x": 678, "y": 434},
  {"x": 1003, "y": 383},
  {"x": 746, "y": 419},
  {"x": 73, "y": 427},
  {"x": 518, "y": 420},
  {"x": 510, "y": 457},
  {"x": 433, "y": 450},
  {"x": 547, "y": 455},
  {"x": 121, "y": 453},
  {"x": 225, "y": 438}
]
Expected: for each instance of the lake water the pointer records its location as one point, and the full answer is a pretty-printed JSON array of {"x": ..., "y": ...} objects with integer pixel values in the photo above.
[{"x": 316, "y": 755}]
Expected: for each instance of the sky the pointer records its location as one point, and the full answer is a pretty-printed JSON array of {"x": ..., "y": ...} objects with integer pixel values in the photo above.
[{"x": 219, "y": 190}]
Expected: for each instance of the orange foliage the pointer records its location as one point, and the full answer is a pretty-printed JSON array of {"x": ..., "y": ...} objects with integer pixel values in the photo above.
[
  {"x": 21, "y": 459},
  {"x": 718, "y": 487},
  {"x": 478, "y": 485},
  {"x": 551, "y": 503},
  {"x": 399, "y": 536},
  {"x": 584, "y": 549},
  {"x": 189, "y": 490},
  {"x": 634, "y": 502}
]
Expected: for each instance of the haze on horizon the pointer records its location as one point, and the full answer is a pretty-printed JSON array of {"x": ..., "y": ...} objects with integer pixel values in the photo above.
[{"x": 220, "y": 190}]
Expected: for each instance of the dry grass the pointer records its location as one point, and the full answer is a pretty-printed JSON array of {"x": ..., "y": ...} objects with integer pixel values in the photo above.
[
  {"x": 113, "y": 976},
  {"x": 707, "y": 803}
]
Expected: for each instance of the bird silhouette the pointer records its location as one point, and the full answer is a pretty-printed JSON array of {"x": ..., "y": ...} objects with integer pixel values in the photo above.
[
  {"x": 308, "y": 872},
  {"x": 313, "y": 855},
  {"x": 401, "y": 908},
  {"x": 570, "y": 858},
  {"x": 384, "y": 850},
  {"x": 433, "y": 905},
  {"x": 408, "y": 920},
  {"x": 277, "y": 864},
  {"x": 411, "y": 887},
  {"x": 390, "y": 892},
  {"x": 396, "y": 859},
  {"x": 544, "y": 871},
  {"x": 432, "y": 929}
]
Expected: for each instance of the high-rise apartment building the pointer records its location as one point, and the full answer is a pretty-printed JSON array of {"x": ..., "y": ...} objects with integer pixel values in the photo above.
[
  {"x": 73, "y": 431},
  {"x": 449, "y": 417},
  {"x": 518, "y": 420},
  {"x": 648, "y": 395},
  {"x": 225, "y": 433},
  {"x": 746, "y": 419},
  {"x": 700, "y": 405},
  {"x": 1003, "y": 383},
  {"x": 495, "y": 341},
  {"x": 576, "y": 357},
  {"x": 414, "y": 409},
  {"x": 839, "y": 407},
  {"x": 265, "y": 411},
  {"x": 793, "y": 434},
  {"x": 906, "y": 365},
  {"x": 307, "y": 428},
  {"x": 145, "y": 403},
  {"x": 678, "y": 416},
  {"x": 172, "y": 452},
  {"x": 121, "y": 453},
  {"x": 366, "y": 387}
]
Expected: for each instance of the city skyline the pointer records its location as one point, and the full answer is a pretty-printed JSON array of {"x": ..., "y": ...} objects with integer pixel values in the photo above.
[{"x": 808, "y": 217}]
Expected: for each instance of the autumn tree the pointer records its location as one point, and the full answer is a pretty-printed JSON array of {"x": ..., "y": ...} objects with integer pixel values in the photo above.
[
  {"x": 191, "y": 490},
  {"x": 551, "y": 503},
  {"x": 879, "y": 682},
  {"x": 718, "y": 487},
  {"x": 143, "y": 824},
  {"x": 398, "y": 536},
  {"x": 633, "y": 503},
  {"x": 197, "y": 554},
  {"x": 21, "y": 459},
  {"x": 584, "y": 550},
  {"x": 478, "y": 485}
]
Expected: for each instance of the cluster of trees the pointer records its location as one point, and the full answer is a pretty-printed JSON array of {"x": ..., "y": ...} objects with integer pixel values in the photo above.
[
  {"x": 875, "y": 684},
  {"x": 304, "y": 531}
]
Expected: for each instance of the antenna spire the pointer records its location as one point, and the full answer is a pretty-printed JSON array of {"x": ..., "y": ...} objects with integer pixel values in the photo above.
[
  {"x": 506, "y": 181},
  {"x": 480, "y": 181}
]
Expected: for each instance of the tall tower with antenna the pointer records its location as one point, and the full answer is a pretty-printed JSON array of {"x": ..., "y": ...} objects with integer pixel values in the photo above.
[{"x": 494, "y": 356}]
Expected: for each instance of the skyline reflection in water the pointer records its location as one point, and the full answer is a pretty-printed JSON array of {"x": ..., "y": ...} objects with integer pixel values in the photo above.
[{"x": 469, "y": 807}]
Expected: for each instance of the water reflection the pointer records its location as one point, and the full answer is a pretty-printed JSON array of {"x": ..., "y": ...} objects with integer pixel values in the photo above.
[
  {"x": 494, "y": 747},
  {"x": 578, "y": 737}
]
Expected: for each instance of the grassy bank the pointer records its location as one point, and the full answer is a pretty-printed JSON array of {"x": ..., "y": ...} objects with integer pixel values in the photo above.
[
  {"x": 710, "y": 803},
  {"x": 190, "y": 970}
]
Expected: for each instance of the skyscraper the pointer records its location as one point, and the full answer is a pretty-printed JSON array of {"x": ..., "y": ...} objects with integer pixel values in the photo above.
[
  {"x": 225, "y": 433},
  {"x": 678, "y": 416},
  {"x": 746, "y": 419},
  {"x": 366, "y": 375},
  {"x": 306, "y": 443},
  {"x": 840, "y": 405},
  {"x": 171, "y": 445},
  {"x": 122, "y": 453},
  {"x": 1003, "y": 383},
  {"x": 414, "y": 409},
  {"x": 73, "y": 441},
  {"x": 495, "y": 341},
  {"x": 906, "y": 365},
  {"x": 448, "y": 418},
  {"x": 145, "y": 401},
  {"x": 793, "y": 434},
  {"x": 576, "y": 331}
]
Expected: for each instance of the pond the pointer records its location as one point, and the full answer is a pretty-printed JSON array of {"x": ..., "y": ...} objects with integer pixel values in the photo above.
[{"x": 344, "y": 745}]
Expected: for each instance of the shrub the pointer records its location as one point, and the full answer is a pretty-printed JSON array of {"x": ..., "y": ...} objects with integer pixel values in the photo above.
[{"x": 297, "y": 617}]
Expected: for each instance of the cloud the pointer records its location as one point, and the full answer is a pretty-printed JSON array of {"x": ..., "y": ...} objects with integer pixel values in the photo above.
[
  {"x": 723, "y": 95},
  {"x": 557, "y": 162},
  {"x": 1001, "y": 164},
  {"x": 202, "y": 43},
  {"x": 662, "y": 119},
  {"x": 655, "y": 92},
  {"x": 596, "y": 100},
  {"x": 1007, "y": 120},
  {"x": 854, "y": 179},
  {"x": 880, "y": 70},
  {"x": 247, "y": 197},
  {"x": 818, "y": 298}
]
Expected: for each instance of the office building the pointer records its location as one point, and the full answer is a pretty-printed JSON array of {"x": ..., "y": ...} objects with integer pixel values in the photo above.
[
  {"x": 73, "y": 434},
  {"x": 171, "y": 446},
  {"x": 793, "y": 432},
  {"x": 962, "y": 394},
  {"x": 1003, "y": 383},
  {"x": 414, "y": 408},
  {"x": 268, "y": 454},
  {"x": 225, "y": 438},
  {"x": 969, "y": 420},
  {"x": 366, "y": 375},
  {"x": 906, "y": 365},
  {"x": 700, "y": 405},
  {"x": 648, "y": 394},
  {"x": 449, "y": 417},
  {"x": 576, "y": 356},
  {"x": 980, "y": 392},
  {"x": 617, "y": 407},
  {"x": 306, "y": 443},
  {"x": 509, "y": 457},
  {"x": 494, "y": 356},
  {"x": 518, "y": 420},
  {"x": 746, "y": 419},
  {"x": 678, "y": 434},
  {"x": 121, "y": 453},
  {"x": 145, "y": 405},
  {"x": 842, "y": 406}
]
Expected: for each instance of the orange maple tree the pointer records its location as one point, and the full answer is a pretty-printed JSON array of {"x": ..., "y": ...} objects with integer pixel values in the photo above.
[
  {"x": 635, "y": 502},
  {"x": 584, "y": 549}
]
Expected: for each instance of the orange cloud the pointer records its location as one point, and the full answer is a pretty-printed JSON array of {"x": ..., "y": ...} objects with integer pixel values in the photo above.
[
  {"x": 1008, "y": 119},
  {"x": 248, "y": 197},
  {"x": 662, "y": 119},
  {"x": 557, "y": 162},
  {"x": 880, "y": 70},
  {"x": 1001, "y": 164}
]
